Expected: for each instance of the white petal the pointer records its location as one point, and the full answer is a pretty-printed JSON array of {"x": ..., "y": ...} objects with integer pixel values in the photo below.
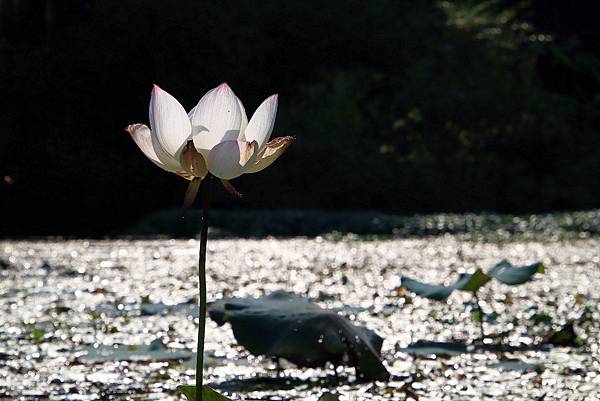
[
  {"x": 230, "y": 159},
  {"x": 217, "y": 117},
  {"x": 261, "y": 124},
  {"x": 170, "y": 124},
  {"x": 191, "y": 113},
  {"x": 244, "y": 124},
  {"x": 271, "y": 152},
  {"x": 141, "y": 135}
]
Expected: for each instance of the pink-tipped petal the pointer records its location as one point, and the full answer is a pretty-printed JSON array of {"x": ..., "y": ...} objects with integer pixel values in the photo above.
[
  {"x": 170, "y": 124},
  {"x": 261, "y": 124},
  {"x": 230, "y": 159},
  {"x": 217, "y": 117},
  {"x": 270, "y": 153}
]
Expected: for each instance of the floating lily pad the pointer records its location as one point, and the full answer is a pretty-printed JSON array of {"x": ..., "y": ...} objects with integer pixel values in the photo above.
[
  {"x": 506, "y": 273},
  {"x": 513, "y": 366},
  {"x": 287, "y": 326},
  {"x": 150, "y": 309},
  {"x": 155, "y": 351},
  {"x": 466, "y": 282},
  {"x": 431, "y": 291},
  {"x": 161, "y": 309}
]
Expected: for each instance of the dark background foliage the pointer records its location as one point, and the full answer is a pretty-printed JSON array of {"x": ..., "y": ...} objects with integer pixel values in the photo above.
[{"x": 398, "y": 106}]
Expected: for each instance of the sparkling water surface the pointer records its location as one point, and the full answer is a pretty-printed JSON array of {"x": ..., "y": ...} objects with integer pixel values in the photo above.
[{"x": 90, "y": 320}]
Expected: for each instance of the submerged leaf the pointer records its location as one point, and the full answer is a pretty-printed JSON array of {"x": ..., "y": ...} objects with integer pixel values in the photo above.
[
  {"x": 565, "y": 336},
  {"x": 425, "y": 348},
  {"x": 506, "y": 273},
  {"x": 287, "y": 326},
  {"x": 208, "y": 394},
  {"x": 476, "y": 316}
]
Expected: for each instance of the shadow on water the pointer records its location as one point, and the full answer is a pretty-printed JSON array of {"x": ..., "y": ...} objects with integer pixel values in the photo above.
[
  {"x": 293, "y": 385},
  {"x": 265, "y": 383}
]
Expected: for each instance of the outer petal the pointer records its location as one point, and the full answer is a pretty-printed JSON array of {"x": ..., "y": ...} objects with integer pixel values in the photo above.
[
  {"x": 142, "y": 136},
  {"x": 270, "y": 153},
  {"x": 170, "y": 125},
  {"x": 261, "y": 124},
  {"x": 217, "y": 117},
  {"x": 230, "y": 159}
]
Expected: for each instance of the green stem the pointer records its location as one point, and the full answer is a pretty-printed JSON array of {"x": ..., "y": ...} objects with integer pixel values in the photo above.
[{"x": 205, "y": 194}]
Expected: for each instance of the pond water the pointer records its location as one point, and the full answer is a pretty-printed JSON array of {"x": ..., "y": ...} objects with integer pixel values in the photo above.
[{"x": 86, "y": 320}]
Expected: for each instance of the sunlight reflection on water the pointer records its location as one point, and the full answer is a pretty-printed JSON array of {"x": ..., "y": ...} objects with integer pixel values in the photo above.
[{"x": 58, "y": 298}]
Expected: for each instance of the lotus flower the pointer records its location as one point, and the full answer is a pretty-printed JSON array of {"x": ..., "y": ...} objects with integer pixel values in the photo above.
[{"x": 214, "y": 137}]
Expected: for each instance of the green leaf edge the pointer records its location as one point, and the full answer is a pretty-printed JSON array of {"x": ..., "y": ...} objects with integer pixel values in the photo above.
[
  {"x": 208, "y": 394},
  {"x": 541, "y": 268},
  {"x": 477, "y": 280}
]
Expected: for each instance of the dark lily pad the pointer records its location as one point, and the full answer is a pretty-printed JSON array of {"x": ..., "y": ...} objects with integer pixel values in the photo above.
[
  {"x": 327, "y": 396},
  {"x": 466, "y": 282},
  {"x": 287, "y": 326},
  {"x": 425, "y": 348},
  {"x": 269, "y": 384},
  {"x": 506, "y": 273}
]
